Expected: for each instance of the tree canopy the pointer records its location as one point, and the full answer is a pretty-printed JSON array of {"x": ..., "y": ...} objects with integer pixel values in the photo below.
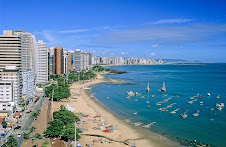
[
  {"x": 66, "y": 116},
  {"x": 55, "y": 128},
  {"x": 11, "y": 142}
]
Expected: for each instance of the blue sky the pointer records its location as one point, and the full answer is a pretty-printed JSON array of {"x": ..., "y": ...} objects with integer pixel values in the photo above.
[{"x": 172, "y": 29}]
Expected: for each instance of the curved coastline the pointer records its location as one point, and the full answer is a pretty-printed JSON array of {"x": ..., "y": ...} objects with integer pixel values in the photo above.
[{"x": 151, "y": 138}]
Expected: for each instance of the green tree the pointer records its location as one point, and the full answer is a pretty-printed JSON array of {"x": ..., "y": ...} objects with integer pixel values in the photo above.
[
  {"x": 26, "y": 135},
  {"x": 4, "y": 124},
  {"x": 38, "y": 136},
  {"x": 55, "y": 129},
  {"x": 69, "y": 133},
  {"x": 66, "y": 116},
  {"x": 11, "y": 142}
]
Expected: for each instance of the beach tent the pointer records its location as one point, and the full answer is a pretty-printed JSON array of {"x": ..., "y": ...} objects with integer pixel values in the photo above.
[{"x": 70, "y": 108}]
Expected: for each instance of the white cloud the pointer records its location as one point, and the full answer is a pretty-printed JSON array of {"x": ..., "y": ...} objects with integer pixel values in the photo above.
[
  {"x": 124, "y": 53},
  {"x": 179, "y": 20},
  {"x": 166, "y": 35},
  {"x": 155, "y": 45},
  {"x": 74, "y": 31},
  {"x": 153, "y": 54}
]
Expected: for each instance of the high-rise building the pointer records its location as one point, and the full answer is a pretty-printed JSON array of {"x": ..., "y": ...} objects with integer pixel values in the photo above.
[
  {"x": 28, "y": 47},
  {"x": 41, "y": 62},
  {"x": 10, "y": 50},
  {"x": 10, "y": 73},
  {"x": 77, "y": 60},
  {"x": 50, "y": 60},
  {"x": 66, "y": 62},
  {"x": 6, "y": 96},
  {"x": 58, "y": 61}
]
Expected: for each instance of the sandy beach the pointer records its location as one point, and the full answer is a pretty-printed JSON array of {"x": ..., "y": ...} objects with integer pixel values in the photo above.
[{"x": 83, "y": 103}]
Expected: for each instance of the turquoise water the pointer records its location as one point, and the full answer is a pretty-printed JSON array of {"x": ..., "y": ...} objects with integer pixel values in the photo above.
[{"x": 181, "y": 80}]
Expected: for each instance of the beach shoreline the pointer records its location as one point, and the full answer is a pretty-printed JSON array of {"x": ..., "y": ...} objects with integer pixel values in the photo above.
[{"x": 87, "y": 104}]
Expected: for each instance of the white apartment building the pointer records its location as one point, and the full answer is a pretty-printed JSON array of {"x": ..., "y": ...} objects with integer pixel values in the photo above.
[
  {"x": 10, "y": 73},
  {"x": 7, "y": 102},
  {"x": 66, "y": 62},
  {"x": 28, "y": 84},
  {"x": 28, "y": 47},
  {"x": 77, "y": 60},
  {"x": 10, "y": 50},
  {"x": 41, "y": 62}
]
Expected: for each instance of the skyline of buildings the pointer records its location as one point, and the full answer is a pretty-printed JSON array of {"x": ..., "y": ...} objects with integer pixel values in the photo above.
[{"x": 25, "y": 62}]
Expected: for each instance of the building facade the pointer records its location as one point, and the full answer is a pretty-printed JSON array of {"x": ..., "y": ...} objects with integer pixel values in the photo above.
[
  {"x": 58, "y": 61},
  {"x": 77, "y": 60},
  {"x": 41, "y": 62},
  {"x": 7, "y": 96},
  {"x": 10, "y": 50}
]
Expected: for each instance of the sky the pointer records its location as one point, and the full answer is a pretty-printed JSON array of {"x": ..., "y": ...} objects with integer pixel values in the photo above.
[{"x": 160, "y": 29}]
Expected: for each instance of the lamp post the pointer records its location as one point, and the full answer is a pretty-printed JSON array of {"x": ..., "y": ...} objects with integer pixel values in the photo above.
[{"x": 75, "y": 133}]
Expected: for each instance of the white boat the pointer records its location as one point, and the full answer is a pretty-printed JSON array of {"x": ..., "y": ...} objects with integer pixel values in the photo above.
[
  {"x": 153, "y": 95},
  {"x": 218, "y": 96},
  {"x": 142, "y": 97},
  {"x": 195, "y": 114},
  {"x": 208, "y": 94},
  {"x": 147, "y": 89},
  {"x": 148, "y": 125},
  {"x": 163, "y": 87},
  {"x": 184, "y": 115},
  {"x": 190, "y": 102},
  {"x": 158, "y": 103},
  {"x": 131, "y": 93},
  {"x": 147, "y": 102},
  {"x": 220, "y": 105},
  {"x": 138, "y": 123},
  {"x": 219, "y": 108},
  {"x": 136, "y": 93},
  {"x": 135, "y": 113},
  {"x": 107, "y": 97},
  {"x": 174, "y": 111}
]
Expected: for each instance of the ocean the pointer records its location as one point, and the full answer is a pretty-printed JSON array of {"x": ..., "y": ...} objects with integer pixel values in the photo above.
[{"x": 182, "y": 82}]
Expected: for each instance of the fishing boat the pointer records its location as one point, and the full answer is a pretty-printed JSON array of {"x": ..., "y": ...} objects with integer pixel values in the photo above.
[
  {"x": 128, "y": 97},
  {"x": 190, "y": 102},
  {"x": 148, "y": 125},
  {"x": 162, "y": 109},
  {"x": 208, "y": 94},
  {"x": 153, "y": 95},
  {"x": 135, "y": 99},
  {"x": 184, "y": 115},
  {"x": 175, "y": 111},
  {"x": 195, "y": 114},
  {"x": 147, "y": 102},
  {"x": 163, "y": 87},
  {"x": 127, "y": 120},
  {"x": 135, "y": 113},
  {"x": 148, "y": 106},
  {"x": 142, "y": 97},
  {"x": 136, "y": 93},
  {"x": 218, "y": 96},
  {"x": 138, "y": 124},
  {"x": 131, "y": 93},
  {"x": 192, "y": 98},
  {"x": 158, "y": 103},
  {"x": 220, "y": 105},
  {"x": 147, "y": 89},
  {"x": 107, "y": 97}
]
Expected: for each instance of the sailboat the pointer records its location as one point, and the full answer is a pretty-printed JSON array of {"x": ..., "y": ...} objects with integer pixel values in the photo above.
[
  {"x": 163, "y": 87},
  {"x": 148, "y": 89}
]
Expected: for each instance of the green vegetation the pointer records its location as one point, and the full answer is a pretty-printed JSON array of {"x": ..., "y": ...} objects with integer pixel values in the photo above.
[
  {"x": 35, "y": 114},
  {"x": 60, "y": 88},
  {"x": 4, "y": 124},
  {"x": 99, "y": 68},
  {"x": 83, "y": 75},
  {"x": 26, "y": 135},
  {"x": 46, "y": 144},
  {"x": 38, "y": 136},
  {"x": 11, "y": 142},
  {"x": 62, "y": 125},
  {"x": 32, "y": 129},
  {"x": 66, "y": 116}
]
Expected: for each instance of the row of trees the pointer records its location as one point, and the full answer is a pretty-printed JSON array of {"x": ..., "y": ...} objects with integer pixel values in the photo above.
[
  {"x": 59, "y": 90},
  {"x": 99, "y": 68},
  {"x": 63, "y": 125},
  {"x": 82, "y": 75}
]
